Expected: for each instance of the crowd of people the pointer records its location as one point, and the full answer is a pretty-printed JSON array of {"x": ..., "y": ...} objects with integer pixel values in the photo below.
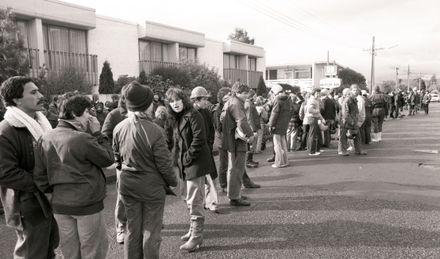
[{"x": 53, "y": 186}]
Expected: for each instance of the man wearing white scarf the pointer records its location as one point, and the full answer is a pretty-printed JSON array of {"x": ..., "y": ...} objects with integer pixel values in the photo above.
[{"x": 26, "y": 209}]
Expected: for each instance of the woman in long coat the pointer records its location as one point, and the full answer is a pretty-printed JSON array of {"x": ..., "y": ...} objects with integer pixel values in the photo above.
[{"x": 193, "y": 160}]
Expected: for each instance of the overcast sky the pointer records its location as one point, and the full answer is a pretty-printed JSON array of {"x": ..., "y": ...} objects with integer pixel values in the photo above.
[{"x": 302, "y": 31}]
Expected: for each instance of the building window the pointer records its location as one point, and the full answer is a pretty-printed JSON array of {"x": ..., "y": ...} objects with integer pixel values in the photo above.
[
  {"x": 302, "y": 73},
  {"x": 153, "y": 51},
  {"x": 187, "y": 54},
  {"x": 231, "y": 61},
  {"x": 23, "y": 32},
  {"x": 252, "y": 64},
  {"x": 64, "y": 39},
  {"x": 273, "y": 74}
]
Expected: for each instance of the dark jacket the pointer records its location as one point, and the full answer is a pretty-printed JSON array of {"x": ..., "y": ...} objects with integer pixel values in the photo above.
[
  {"x": 280, "y": 115},
  {"x": 142, "y": 155},
  {"x": 252, "y": 115},
  {"x": 349, "y": 113},
  {"x": 329, "y": 109},
  {"x": 379, "y": 104},
  {"x": 233, "y": 116},
  {"x": 18, "y": 192},
  {"x": 194, "y": 158},
  {"x": 68, "y": 164},
  {"x": 112, "y": 119}
]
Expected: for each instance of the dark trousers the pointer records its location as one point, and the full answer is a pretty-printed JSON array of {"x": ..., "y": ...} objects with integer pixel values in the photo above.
[
  {"x": 37, "y": 240},
  {"x": 304, "y": 136},
  {"x": 394, "y": 112},
  {"x": 426, "y": 108},
  {"x": 223, "y": 170},
  {"x": 312, "y": 139}
]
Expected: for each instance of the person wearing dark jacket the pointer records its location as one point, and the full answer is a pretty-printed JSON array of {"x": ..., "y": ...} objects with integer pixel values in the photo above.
[
  {"x": 328, "y": 112},
  {"x": 111, "y": 120},
  {"x": 193, "y": 159},
  {"x": 379, "y": 104},
  {"x": 278, "y": 124},
  {"x": 26, "y": 208},
  {"x": 142, "y": 155},
  {"x": 254, "y": 122},
  {"x": 199, "y": 97},
  {"x": 68, "y": 165},
  {"x": 236, "y": 134}
]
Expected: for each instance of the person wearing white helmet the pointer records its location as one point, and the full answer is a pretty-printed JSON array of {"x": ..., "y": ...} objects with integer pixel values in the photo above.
[{"x": 199, "y": 97}]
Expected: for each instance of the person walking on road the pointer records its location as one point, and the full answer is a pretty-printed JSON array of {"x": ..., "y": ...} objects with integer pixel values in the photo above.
[
  {"x": 142, "y": 156},
  {"x": 26, "y": 209},
  {"x": 425, "y": 102},
  {"x": 312, "y": 114}
]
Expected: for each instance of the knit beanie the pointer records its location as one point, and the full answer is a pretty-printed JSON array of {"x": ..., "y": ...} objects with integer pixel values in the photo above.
[{"x": 137, "y": 97}]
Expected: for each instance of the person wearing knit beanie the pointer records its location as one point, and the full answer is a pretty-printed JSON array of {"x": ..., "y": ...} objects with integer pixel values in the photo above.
[{"x": 137, "y": 97}]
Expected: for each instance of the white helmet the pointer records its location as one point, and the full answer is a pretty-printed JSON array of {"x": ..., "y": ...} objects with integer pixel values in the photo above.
[{"x": 199, "y": 91}]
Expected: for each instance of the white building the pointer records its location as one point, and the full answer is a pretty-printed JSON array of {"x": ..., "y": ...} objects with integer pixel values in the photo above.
[
  {"x": 305, "y": 76},
  {"x": 58, "y": 34}
]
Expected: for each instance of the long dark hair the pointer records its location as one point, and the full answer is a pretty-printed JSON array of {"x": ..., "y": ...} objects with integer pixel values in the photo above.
[{"x": 177, "y": 94}]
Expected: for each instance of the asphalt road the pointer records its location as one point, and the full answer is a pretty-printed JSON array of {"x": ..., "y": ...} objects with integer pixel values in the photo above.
[{"x": 383, "y": 205}]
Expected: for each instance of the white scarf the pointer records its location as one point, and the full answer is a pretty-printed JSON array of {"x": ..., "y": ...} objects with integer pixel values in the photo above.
[{"x": 18, "y": 118}]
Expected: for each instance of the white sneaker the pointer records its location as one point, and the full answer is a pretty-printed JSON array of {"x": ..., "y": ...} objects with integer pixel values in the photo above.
[
  {"x": 315, "y": 154},
  {"x": 120, "y": 236},
  {"x": 350, "y": 148}
]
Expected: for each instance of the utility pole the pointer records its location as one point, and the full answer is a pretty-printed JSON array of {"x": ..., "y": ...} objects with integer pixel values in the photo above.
[
  {"x": 397, "y": 78},
  {"x": 420, "y": 81},
  {"x": 408, "y": 79},
  {"x": 372, "y": 67}
]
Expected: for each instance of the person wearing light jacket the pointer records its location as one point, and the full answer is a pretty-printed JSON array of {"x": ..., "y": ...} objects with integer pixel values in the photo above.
[
  {"x": 312, "y": 113},
  {"x": 142, "y": 155}
]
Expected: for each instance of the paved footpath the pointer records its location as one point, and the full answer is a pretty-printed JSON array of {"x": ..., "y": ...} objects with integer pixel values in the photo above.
[{"x": 383, "y": 205}]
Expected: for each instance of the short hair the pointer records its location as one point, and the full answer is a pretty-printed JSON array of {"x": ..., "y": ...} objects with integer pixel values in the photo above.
[
  {"x": 12, "y": 88},
  {"x": 354, "y": 86},
  {"x": 239, "y": 88},
  {"x": 177, "y": 94},
  {"x": 75, "y": 105},
  {"x": 316, "y": 90}
]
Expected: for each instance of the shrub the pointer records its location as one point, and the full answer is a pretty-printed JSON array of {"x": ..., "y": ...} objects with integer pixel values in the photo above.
[{"x": 67, "y": 80}]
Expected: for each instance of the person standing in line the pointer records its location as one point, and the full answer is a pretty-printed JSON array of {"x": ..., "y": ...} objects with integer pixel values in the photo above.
[
  {"x": 113, "y": 118},
  {"x": 349, "y": 127},
  {"x": 68, "y": 165},
  {"x": 312, "y": 113},
  {"x": 142, "y": 156},
  {"x": 328, "y": 112},
  {"x": 193, "y": 160},
  {"x": 236, "y": 134},
  {"x": 26, "y": 209},
  {"x": 199, "y": 97},
  {"x": 366, "y": 137},
  {"x": 378, "y": 101},
  {"x": 356, "y": 93},
  {"x": 263, "y": 118},
  {"x": 425, "y": 101},
  {"x": 254, "y": 123},
  {"x": 278, "y": 124}
]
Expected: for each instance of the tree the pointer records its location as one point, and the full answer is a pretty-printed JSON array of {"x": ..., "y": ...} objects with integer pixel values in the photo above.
[
  {"x": 173, "y": 73},
  {"x": 261, "y": 87},
  {"x": 122, "y": 80},
  {"x": 348, "y": 77},
  {"x": 106, "y": 82},
  {"x": 241, "y": 35},
  {"x": 387, "y": 86},
  {"x": 142, "y": 77},
  {"x": 69, "y": 79},
  {"x": 13, "y": 58}
]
